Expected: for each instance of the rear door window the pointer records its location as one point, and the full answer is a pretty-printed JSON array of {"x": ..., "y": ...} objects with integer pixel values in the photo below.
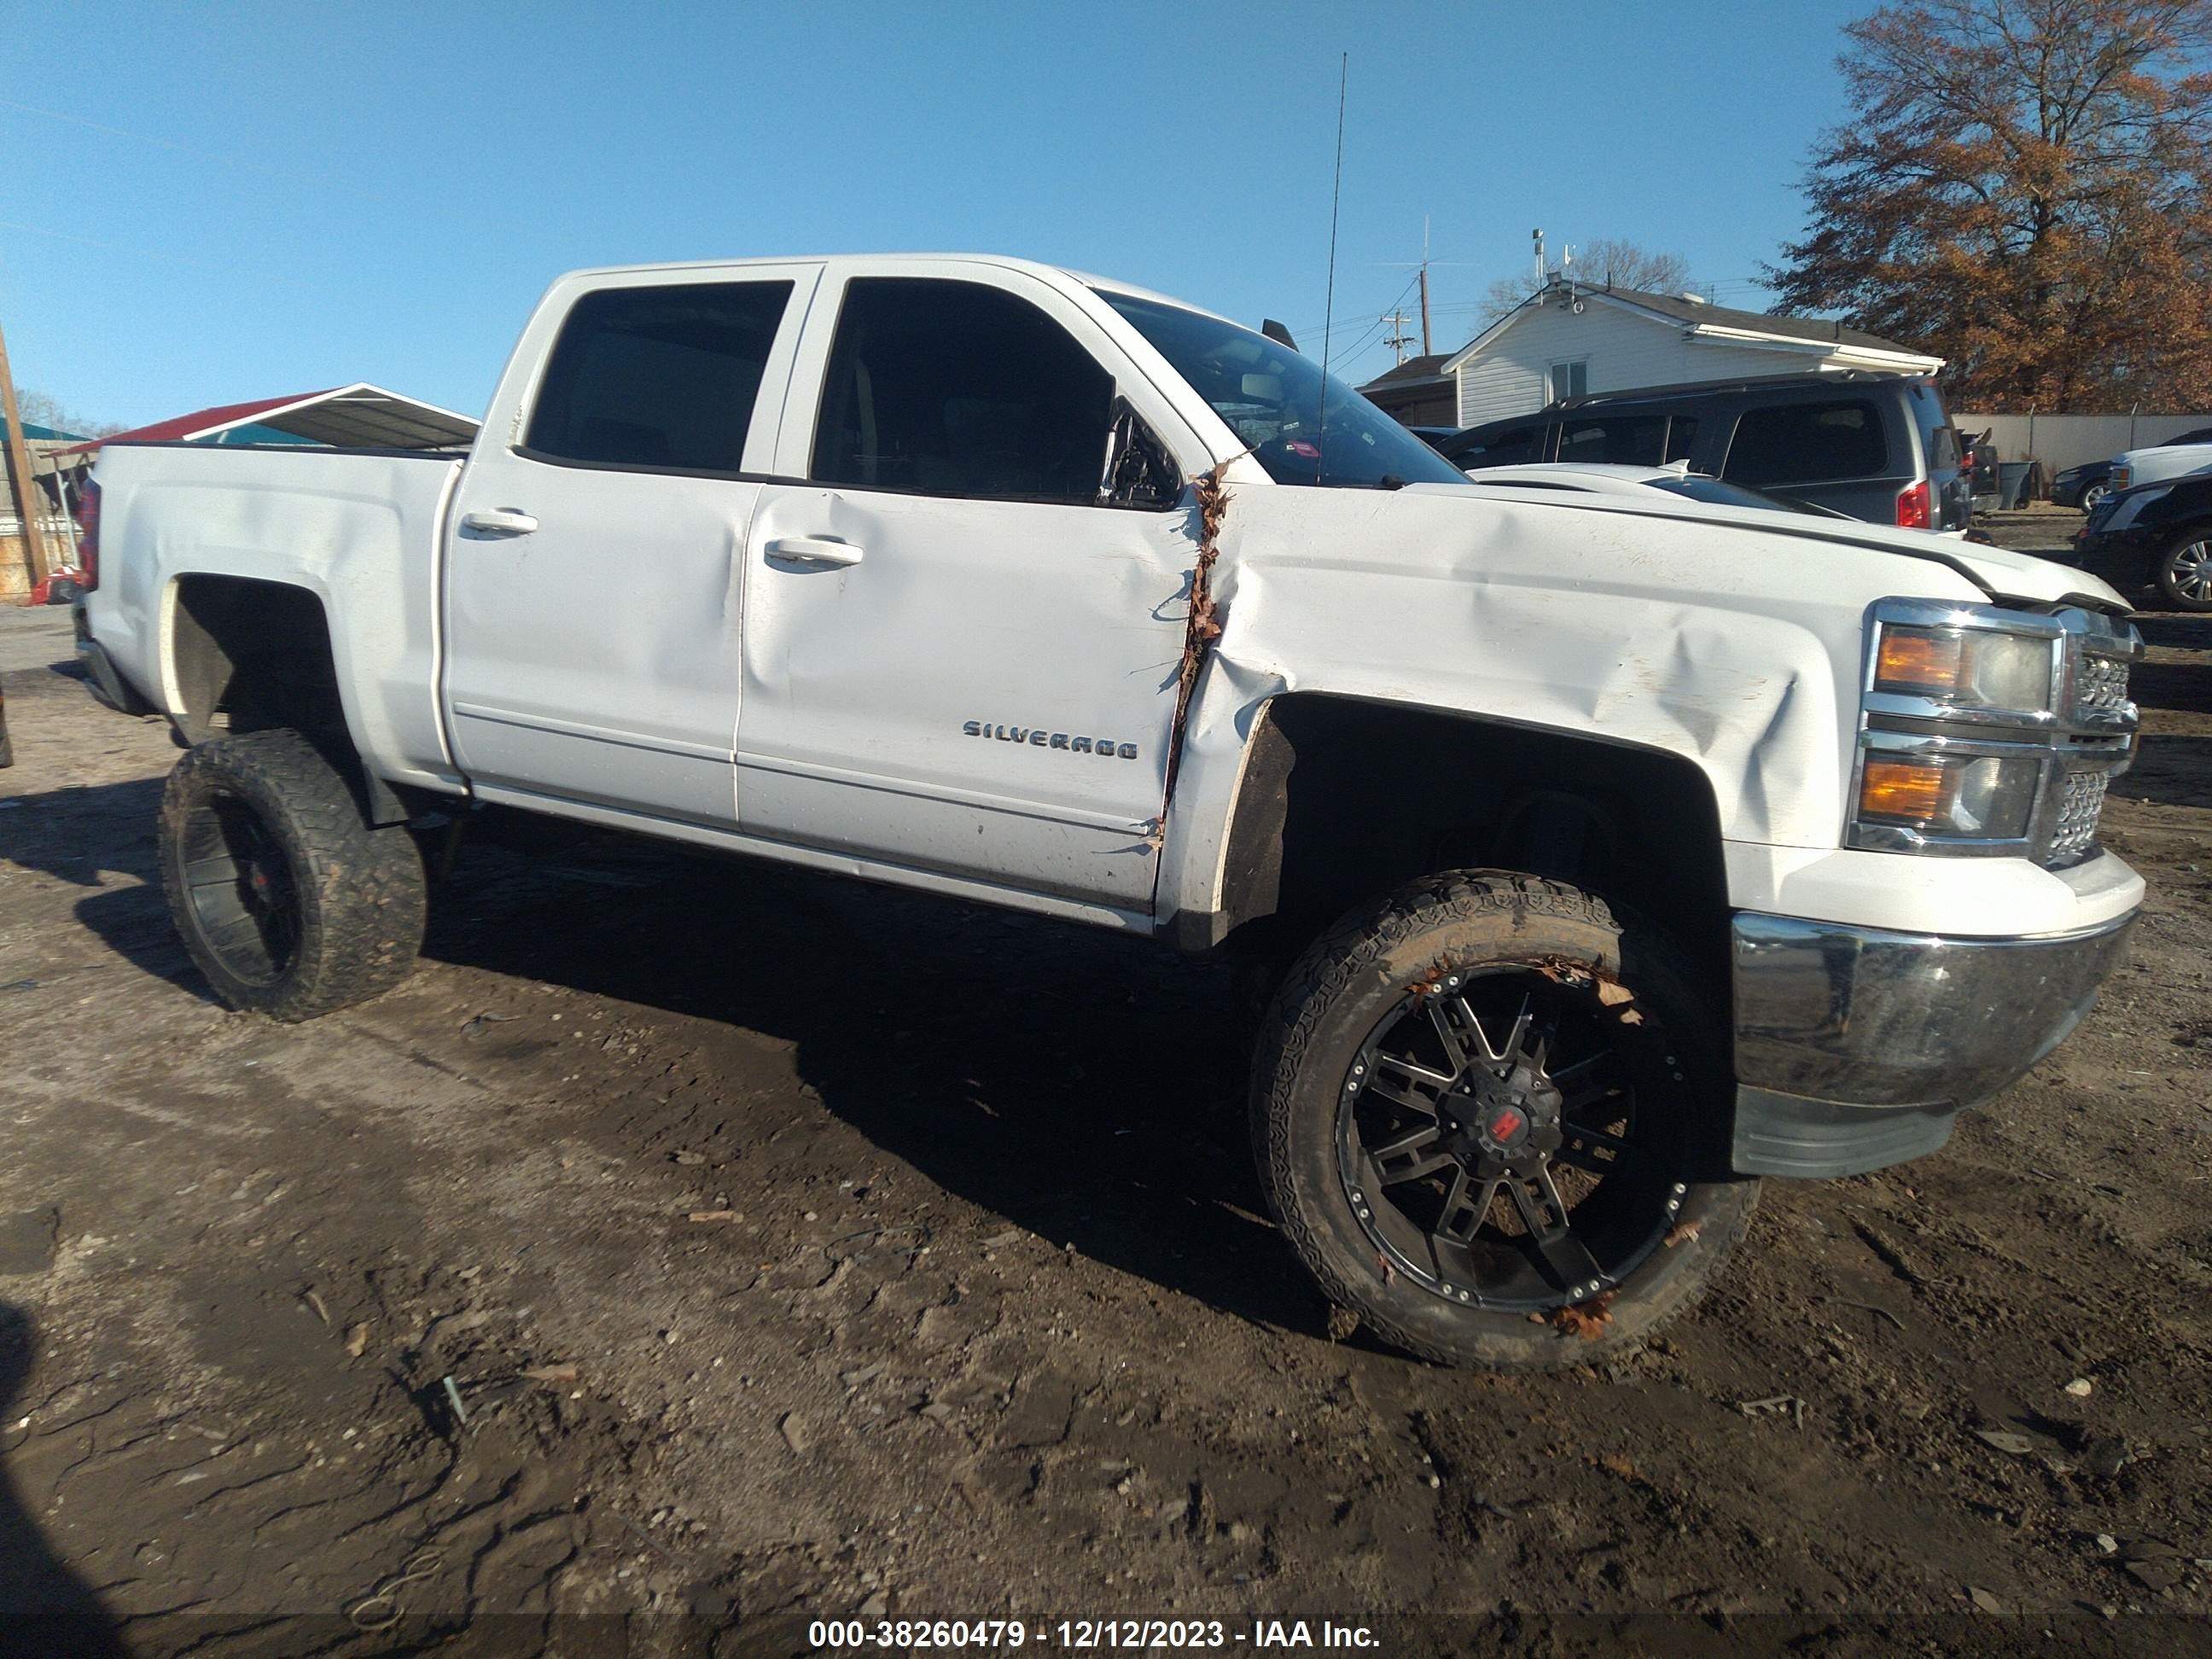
[
  {"x": 1809, "y": 443},
  {"x": 1627, "y": 439},
  {"x": 953, "y": 388},
  {"x": 1508, "y": 449},
  {"x": 664, "y": 376}
]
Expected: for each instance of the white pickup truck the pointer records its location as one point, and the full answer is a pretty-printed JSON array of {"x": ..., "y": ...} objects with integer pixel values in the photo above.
[
  {"x": 2156, "y": 464},
  {"x": 1606, "y": 852}
]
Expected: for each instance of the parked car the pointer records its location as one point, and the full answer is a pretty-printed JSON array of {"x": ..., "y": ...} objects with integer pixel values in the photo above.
[
  {"x": 1604, "y": 477},
  {"x": 1604, "y": 854},
  {"x": 2086, "y": 485},
  {"x": 1876, "y": 448},
  {"x": 2157, "y": 536},
  {"x": 2083, "y": 486}
]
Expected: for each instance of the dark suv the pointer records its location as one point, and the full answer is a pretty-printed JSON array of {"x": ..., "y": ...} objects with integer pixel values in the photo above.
[{"x": 1873, "y": 446}]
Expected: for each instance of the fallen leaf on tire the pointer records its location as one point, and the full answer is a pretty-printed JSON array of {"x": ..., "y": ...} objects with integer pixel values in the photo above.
[
  {"x": 1685, "y": 1233},
  {"x": 1612, "y": 993},
  {"x": 1587, "y": 1319},
  {"x": 1342, "y": 1323}
]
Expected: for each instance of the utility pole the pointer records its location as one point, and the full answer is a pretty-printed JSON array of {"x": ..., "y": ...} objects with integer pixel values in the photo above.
[
  {"x": 1425, "y": 347},
  {"x": 19, "y": 473},
  {"x": 1399, "y": 341}
]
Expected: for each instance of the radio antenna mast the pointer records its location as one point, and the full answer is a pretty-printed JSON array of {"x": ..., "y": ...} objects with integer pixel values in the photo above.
[{"x": 1328, "y": 315}]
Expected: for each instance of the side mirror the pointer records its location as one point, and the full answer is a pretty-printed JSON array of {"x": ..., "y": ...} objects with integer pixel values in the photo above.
[{"x": 1138, "y": 472}]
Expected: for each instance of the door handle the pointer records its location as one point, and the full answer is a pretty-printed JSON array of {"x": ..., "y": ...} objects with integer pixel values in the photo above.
[
  {"x": 500, "y": 521},
  {"x": 813, "y": 550}
]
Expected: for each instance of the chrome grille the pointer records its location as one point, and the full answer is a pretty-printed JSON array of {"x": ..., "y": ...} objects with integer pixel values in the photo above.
[
  {"x": 2101, "y": 685},
  {"x": 2074, "y": 830}
]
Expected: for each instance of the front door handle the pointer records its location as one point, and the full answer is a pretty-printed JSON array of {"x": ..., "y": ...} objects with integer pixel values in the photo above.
[
  {"x": 813, "y": 550},
  {"x": 500, "y": 521}
]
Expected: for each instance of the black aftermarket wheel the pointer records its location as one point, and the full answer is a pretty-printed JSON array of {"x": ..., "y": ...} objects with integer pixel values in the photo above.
[
  {"x": 1492, "y": 1121},
  {"x": 288, "y": 900}
]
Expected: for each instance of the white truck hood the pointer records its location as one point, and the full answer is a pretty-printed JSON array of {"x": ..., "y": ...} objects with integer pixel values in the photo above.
[
  {"x": 2001, "y": 573},
  {"x": 2158, "y": 463}
]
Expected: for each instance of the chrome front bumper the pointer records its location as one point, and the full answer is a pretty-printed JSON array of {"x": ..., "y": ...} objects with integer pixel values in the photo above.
[{"x": 1855, "y": 1046}]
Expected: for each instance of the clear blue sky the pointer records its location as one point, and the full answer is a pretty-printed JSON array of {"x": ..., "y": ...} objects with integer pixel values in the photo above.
[{"x": 215, "y": 203}]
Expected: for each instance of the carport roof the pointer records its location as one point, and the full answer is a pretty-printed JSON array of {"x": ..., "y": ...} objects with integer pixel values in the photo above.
[{"x": 356, "y": 416}]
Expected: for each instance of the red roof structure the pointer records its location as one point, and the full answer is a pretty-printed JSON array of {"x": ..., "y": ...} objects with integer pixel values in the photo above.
[{"x": 360, "y": 416}]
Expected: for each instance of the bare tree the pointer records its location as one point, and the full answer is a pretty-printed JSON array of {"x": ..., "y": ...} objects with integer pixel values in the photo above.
[
  {"x": 2025, "y": 188},
  {"x": 43, "y": 408},
  {"x": 1608, "y": 262}
]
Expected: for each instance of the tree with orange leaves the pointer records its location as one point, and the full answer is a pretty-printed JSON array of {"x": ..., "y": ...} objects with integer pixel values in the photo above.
[{"x": 2025, "y": 189}]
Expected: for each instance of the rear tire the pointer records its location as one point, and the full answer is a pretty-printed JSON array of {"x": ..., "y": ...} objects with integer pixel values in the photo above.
[
  {"x": 2184, "y": 570},
  {"x": 289, "y": 902},
  {"x": 1575, "y": 1192}
]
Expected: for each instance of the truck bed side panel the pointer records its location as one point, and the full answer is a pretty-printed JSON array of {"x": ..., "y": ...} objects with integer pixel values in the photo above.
[{"x": 360, "y": 529}]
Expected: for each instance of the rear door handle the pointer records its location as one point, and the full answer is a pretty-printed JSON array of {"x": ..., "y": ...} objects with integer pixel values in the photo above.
[
  {"x": 500, "y": 521},
  {"x": 813, "y": 550}
]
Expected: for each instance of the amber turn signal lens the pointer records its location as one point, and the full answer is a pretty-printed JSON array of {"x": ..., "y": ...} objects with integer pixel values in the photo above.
[
  {"x": 1911, "y": 660},
  {"x": 1902, "y": 789}
]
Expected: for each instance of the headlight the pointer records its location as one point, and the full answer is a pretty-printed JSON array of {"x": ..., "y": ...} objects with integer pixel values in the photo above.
[
  {"x": 2117, "y": 479},
  {"x": 1987, "y": 796},
  {"x": 1984, "y": 729},
  {"x": 1966, "y": 667}
]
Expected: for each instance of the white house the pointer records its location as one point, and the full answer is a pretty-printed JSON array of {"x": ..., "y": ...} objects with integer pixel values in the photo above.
[{"x": 1574, "y": 338}]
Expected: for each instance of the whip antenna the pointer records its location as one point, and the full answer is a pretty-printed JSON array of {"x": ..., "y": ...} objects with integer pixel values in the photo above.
[{"x": 1329, "y": 318}]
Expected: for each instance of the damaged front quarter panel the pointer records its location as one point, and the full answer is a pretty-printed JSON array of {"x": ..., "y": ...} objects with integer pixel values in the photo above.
[{"x": 1732, "y": 648}]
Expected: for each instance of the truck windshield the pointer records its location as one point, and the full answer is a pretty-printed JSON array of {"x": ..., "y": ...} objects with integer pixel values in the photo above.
[{"x": 1272, "y": 399}]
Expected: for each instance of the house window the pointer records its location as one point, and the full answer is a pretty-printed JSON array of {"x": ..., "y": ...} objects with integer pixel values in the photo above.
[{"x": 1570, "y": 379}]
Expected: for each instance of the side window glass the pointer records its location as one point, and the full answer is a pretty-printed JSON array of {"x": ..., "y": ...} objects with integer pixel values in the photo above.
[
  {"x": 1808, "y": 443},
  {"x": 1681, "y": 437},
  {"x": 950, "y": 388},
  {"x": 663, "y": 376},
  {"x": 1627, "y": 439},
  {"x": 1508, "y": 449}
]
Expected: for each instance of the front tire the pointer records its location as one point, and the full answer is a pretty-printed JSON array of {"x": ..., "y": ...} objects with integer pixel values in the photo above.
[
  {"x": 289, "y": 902},
  {"x": 1491, "y": 1120},
  {"x": 2184, "y": 570}
]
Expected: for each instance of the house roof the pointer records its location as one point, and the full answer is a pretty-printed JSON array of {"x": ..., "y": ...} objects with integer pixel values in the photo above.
[
  {"x": 1431, "y": 367},
  {"x": 360, "y": 416},
  {"x": 1725, "y": 322}
]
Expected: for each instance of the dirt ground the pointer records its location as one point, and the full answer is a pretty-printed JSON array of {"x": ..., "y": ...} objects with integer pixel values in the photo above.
[{"x": 796, "y": 1249}]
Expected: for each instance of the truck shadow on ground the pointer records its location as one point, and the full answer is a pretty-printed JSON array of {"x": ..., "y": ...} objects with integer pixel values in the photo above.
[
  {"x": 44, "y": 1605},
  {"x": 1088, "y": 1088}
]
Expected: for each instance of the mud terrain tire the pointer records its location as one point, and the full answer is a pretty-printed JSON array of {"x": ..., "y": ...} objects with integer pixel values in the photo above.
[
  {"x": 289, "y": 902},
  {"x": 1476, "y": 937}
]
